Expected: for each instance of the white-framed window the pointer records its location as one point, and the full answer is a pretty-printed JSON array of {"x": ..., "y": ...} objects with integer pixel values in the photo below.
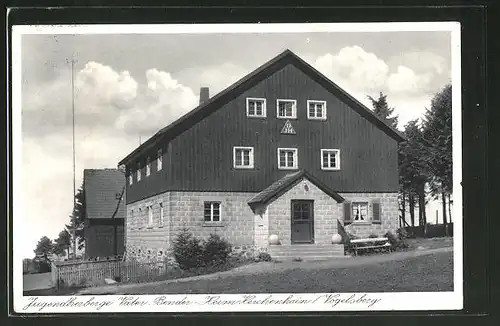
[
  {"x": 330, "y": 159},
  {"x": 148, "y": 167},
  {"x": 256, "y": 107},
  {"x": 287, "y": 158},
  {"x": 286, "y": 109},
  {"x": 150, "y": 215},
  {"x": 161, "y": 213},
  {"x": 131, "y": 177},
  {"x": 159, "y": 160},
  {"x": 211, "y": 211},
  {"x": 316, "y": 110},
  {"x": 360, "y": 212},
  {"x": 138, "y": 171},
  {"x": 243, "y": 157}
]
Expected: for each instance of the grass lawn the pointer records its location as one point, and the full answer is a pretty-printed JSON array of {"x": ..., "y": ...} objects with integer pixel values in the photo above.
[
  {"x": 433, "y": 272},
  {"x": 430, "y": 243}
]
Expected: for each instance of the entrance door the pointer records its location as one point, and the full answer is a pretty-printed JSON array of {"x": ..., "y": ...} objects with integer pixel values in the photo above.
[{"x": 302, "y": 221}]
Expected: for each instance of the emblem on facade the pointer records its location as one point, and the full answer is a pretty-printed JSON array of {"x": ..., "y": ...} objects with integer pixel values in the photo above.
[{"x": 288, "y": 129}]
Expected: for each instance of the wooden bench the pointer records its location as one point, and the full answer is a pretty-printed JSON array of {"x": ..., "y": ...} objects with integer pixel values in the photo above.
[{"x": 370, "y": 243}]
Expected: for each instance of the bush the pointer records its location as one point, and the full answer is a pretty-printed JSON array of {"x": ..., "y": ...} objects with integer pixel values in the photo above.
[
  {"x": 187, "y": 250},
  {"x": 216, "y": 251},
  {"x": 264, "y": 256},
  {"x": 396, "y": 242},
  {"x": 373, "y": 236}
]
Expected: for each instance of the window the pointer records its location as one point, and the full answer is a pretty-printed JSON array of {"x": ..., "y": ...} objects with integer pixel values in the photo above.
[
  {"x": 150, "y": 215},
  {"x": 316, "y": 110},
  {"x": 287, "y": 109},
  {"x": 148, "y": 167},
  {"x": 359, "y": 212},
  {"x": 287, "y": 158},
  {"x": 243, "y": 157},
  {"x": 211, "y": 212},
  {"x": 161, "y": 214},
  {"x": 138, "y": 172},
  {"x": 256, "y": 107},
  {"x": 330, "y": 159},
  {"x": 131, "y": 177},
  {"x": 159, "y": 160}
]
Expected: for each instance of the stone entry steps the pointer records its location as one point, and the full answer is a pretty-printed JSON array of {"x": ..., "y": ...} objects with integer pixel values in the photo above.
[{"x": 306, "y": 252}]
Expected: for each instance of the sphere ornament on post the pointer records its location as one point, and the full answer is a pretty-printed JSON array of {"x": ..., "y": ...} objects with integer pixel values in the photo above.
[
  {"x": 274, "y": 240},
  {"x": 336, "y": 238}
]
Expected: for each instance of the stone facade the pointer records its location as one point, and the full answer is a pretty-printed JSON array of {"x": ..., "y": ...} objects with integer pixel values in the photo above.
[
  {"x": 389, "y": 212},
  {"x": 326, "y": 213},
  {"x": 185, "y": 210},
  {"x": 244, "y": 229}
]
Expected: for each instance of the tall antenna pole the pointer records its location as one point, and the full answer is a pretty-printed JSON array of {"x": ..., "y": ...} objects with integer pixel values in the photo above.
[{"x": 74, "y": 160}]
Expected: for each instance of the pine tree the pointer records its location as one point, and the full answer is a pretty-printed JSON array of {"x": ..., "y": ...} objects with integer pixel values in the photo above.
[
  {"x": 438, "y": 133},
  {"x": 382, "y": 109},
  {"x": 62, "y": 243},
  {"x": 78, "y": 216}
]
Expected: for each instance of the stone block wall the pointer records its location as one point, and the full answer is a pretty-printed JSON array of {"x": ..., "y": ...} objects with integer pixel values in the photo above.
[
  {"x": 389, "y": 212},
  {"x": 185, "y": 210},
  {"x": 326, "y": 213}
]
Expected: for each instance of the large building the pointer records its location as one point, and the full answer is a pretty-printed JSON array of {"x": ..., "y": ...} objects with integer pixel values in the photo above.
[
  {"x": 105, "y": 212},
  {"x": 284, "y": 153}
]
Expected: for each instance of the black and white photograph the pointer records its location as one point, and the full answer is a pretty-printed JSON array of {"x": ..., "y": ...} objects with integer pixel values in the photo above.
[{"x": 237, "y": 167}]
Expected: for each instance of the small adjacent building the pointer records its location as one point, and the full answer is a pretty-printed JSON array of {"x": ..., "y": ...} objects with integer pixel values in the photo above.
[
  {"x": 272, "y": 163},
  {"x": 105, "y": 212}
]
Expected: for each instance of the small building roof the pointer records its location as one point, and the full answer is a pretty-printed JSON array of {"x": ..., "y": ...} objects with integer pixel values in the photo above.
[
  {"x": 284, "y": 184},
  {"x": 104, "y": 190}
]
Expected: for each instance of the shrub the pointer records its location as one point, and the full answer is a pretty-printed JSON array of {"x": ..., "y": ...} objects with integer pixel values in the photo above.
[
  {"x": 402, "y": 234},
  {"x": 216, "y": 251},
  {"x": 373, "y": 236},
  {"x": 264, "y": 256},
  {"x": 396, "y": 242},
  {"x": 187, "y": 250}
]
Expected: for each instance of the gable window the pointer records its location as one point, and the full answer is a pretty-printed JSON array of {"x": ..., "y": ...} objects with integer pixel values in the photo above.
[
  {"x": 161, "y": 213},
  {"x": 316, "y": 110},
  {"x": 287, "y": 109},
  {"x": 148, "y": 167},
  {"x": 287, "y": 158},
  {"x": 211, "y": 211},
  {"x": 243, "y": 157},
  {"x": 150, "y": 215},
  {"x": 159, "y": 160},
  {"x": 131, "y": 177},
  {"x": 138, "y": 172},
  {"x": 330, "y": 159},
  {"x": 256, "y": 107},
  {"x": 359, "y": 212}
]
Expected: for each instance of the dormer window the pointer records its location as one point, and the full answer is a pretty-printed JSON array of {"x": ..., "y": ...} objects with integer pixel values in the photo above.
[
  {"x": 316, "y": 110},
  {"x": 256, "y": 107},
  {"x": 286, "y": 109}
]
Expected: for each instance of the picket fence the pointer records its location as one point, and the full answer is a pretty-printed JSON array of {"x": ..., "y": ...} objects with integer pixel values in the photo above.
[{"x": 94, "y": 273}]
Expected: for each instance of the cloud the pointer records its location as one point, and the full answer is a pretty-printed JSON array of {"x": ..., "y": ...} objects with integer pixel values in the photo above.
[
  {"x": 405, "y": 80},
  {"x": 354, "y": 68}
]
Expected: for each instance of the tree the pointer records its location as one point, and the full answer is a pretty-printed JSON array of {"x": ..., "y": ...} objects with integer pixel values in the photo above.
[
  {"x": 438, "y": 134},
  {"x": 77, "y": 217},
  {"x": 62, "y": 243},
  {"x": 44, "y": 248},
  {"x": 382, "y": 109}
]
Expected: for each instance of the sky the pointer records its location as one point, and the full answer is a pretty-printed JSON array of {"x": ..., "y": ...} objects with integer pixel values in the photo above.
[{"x": 128, "y": 86}]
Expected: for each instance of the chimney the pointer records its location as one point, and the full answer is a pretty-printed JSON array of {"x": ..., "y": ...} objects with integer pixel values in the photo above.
[{"x": 204, "y": 94}]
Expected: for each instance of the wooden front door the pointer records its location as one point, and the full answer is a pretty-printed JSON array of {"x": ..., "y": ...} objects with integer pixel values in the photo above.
[{"x": 302, "y": 221}]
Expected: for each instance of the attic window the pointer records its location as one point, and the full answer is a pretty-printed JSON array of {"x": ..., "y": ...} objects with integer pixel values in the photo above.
[
  {"x": 131, "y": 178},
  {"x": 286, "y": 109},
  {"x": 159, "y": 160},
  {"x": 138, "y": 171},
  {"x": 256, "y": 107},
  {"x": 316, "y": 110},
  {"x": 148, "y": 167}
]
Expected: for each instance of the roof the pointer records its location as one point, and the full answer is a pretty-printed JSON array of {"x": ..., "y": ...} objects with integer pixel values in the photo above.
[
  {"x": 284, "y": 184},
  {"x": 104, "y": 189},
  {"x": 245, "y": 83}
]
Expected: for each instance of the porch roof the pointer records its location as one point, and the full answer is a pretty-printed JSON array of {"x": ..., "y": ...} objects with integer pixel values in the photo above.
[{"x": 282, "y": 185}]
